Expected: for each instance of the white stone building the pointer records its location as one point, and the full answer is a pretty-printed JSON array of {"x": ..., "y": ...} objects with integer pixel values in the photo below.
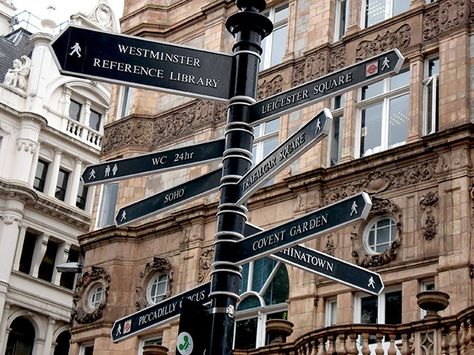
[{"x": 50, "y": 128}]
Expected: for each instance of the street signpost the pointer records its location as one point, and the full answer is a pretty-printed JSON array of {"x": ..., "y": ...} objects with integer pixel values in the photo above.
[
  {"x": 194, "y": 329},
  {"x": 140, "y": 62},
  {"x": 326, "y": 265},
  {"x": 170, "y": 198},
  {"x": 119, "y": 169},
  {"x": 325, "y": 87},
  {"x": 309, "y": 226},
  {"x": 157, "y": 314},
  {"x": 312, "y": 132}
]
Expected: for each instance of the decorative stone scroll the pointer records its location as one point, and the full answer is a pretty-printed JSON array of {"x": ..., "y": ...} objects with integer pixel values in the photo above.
[
  {"x": 205, "y": 262},
  {"x": 428, "y": 212},
  {"x": 82, "y": 312},
  {"x": 269, "y": 88},
  {"x": 399, "y": 38},
  {"x": 157, "y": 265}
]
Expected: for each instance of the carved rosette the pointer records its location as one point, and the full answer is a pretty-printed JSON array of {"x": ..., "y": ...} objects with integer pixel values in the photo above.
[
  {"x": 429, "y": 212},
  {"x": 380, "y": 207},
  {"x": 83, "y": 312},
  {"x": 205, "y": 263},
  {"x": 269, "y": 88},
  {"x": 400, "y": 38},
  {"x": 157, "y": 265},
  {"x": 377, "y": 181}
]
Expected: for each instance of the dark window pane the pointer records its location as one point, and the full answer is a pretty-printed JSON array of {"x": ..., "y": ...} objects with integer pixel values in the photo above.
[
  {"x": 248, "y": 303},
  {"x": 94, "y": 120},
  {"x": 371, "y": 130},
  {"x": 27, "y": 252},
  {"x": 82, "y": 196},
  {"x": 261, "y": 270},
  {"x": 46, "y": 268},
  {"x": 277, "y": 291},
  {"x": 67, "y": 278},
  {"x": 61, "y": 186},
  {"x": 40, "y": 175},
  {"x": 75, "y": 110},
  {"x": 393, "y": 307},
  {"x": 246, "y": 334},
  {"x": 89, "y": 350},
  {"x": 368, "y": 310}
]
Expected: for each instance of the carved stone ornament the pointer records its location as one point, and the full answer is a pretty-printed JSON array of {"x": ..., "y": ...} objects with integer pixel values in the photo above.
[
  {"x": 330, "y": 246},
  {"x": 25, "y": 144},
  {"x": 157, "y": 265},
  {"x": 400, "y": 38},
  {"x": 9, "y": 219},
  {"x": 315, "y": 66},
  {"x": 193, "y": 232},
  {"x": 377, "y": 181},
  {"x": 452, "y": 14},
  {"x": 428, "y": 214},
  {"x": 431, "y": 24},
  {"x": 103, "y": 16},
  {"x": 269, "y": 88},
  {"x": 83, "y": 312},
  {"x": 338, "y": 58},
  {"x": 397, "y": 178},
  {"x": 205, "y": 263},
  {"x": 17, "y": 76},
  {"x": 362, "y": 257}
]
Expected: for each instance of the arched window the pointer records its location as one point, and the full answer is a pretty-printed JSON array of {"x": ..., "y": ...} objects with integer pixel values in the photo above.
[
  {"x": 157, "y": 288},
  {"x": 96, "y": 296},
  {"x": 264, "y": 292},
  {"x": 21, "y": 338},
  {"x": 62, "y": 343}
]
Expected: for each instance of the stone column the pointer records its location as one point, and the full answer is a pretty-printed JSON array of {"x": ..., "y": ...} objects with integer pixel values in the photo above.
[
  {"x": 73, "y": 186},
  {"x": 38, "y": 255},
  {"x": 61, "y": 257},
  {"x": 349, "y": 130},
  {"x": 53, "y": 174},
  {"x": 26, "y": 144},
  {"x": 290, "y": 45},
  {"x": 3, "y": 328},
  {"x": 355, "y": 16},
  {"x": 415, "y": 129},
  {"x": 19, "y": 248},
  {"x": 34, "y": 165},
  {"x": 48, "y": 339}
]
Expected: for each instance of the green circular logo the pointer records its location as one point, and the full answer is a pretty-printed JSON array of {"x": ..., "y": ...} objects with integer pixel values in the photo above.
[{"x": 184, "y": 343}]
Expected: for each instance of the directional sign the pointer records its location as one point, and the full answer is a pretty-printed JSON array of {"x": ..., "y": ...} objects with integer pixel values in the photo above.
[
  {"x": 284, "y": 154},
  {"x": 114, "y": 170},
  {"x": 327, "y": 266},
  {"x": 165, "y": 200},
  {"x": 157, "y": 314},
  {"x": 297, "y": 231},
  {"x": 338, "y": 82},
  {"x": 140, "y": 62}
]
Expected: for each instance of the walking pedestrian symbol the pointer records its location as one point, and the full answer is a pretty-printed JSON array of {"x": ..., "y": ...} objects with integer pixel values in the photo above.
[
  {"x": 354, "y": 209},
  {"x": 76, "y": 48}
]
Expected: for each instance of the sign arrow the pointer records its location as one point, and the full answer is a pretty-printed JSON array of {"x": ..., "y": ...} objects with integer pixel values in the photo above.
[
  {"x": 157, "y": 314},
  {"x": 326, "y": 265},
  {"x": 119, "y": 169},
  {"x": 323, "y": 88},
  {"x": 304, "y": 228},
  {"x": 311, "y": 133},
  {"x": 144, "y": 63},
  {"x": 165, "y": 200}
]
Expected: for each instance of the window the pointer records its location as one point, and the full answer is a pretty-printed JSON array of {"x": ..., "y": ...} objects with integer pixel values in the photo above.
[
  {"x": 75, "y": 110},
  {"x": 106, "y": 214},
  {"x": 40, "y": 175},
  {"x": 379, "y": 10},
  {"x": 264, "y": 292},
  {"x": 266, "y": 139},
  {"x": 94, "y": 120},
  {"x": 96, "y": 296},
  {"x": 431, "y": 89},
  {"x": 341, "y": 20},
  {"x": 380, "y": 234},
  {"x": 81, "y": 198},
  {"x": 331, "y": 312},
  {"x": 384, "y": 109},
  {"x": 274, "y": 45},
  {"x": 335, "y": 149},
  {"x": 27, "y": 251},
  {"x": 156, "y": 340},
  {"x": 87, "y": 349},
  {"x": 61, "y": 185},
  {"x": 125, "y": 101},
  {"x": 46, "y": 269},
  {"x": 68, "y": 278},
  {"x": 157, "y": 288}
]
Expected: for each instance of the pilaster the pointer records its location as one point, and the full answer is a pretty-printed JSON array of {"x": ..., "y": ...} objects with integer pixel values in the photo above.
[
  {"x": 53, "y": 174},
  {"x": 5, "y": 313},
  {"x": 48, "y": 339},
  {"x": 73, "y": 185},
  {"x": 415, "y": 129}
]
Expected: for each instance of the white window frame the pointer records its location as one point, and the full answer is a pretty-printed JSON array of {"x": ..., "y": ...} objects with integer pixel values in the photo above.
[
  {"x": 267, "y": 52},
  {"x": 337, "y": 115},
  {"x": 82, "y": 347},
  {"x": 259, "y": 141},
  {"x": 103, "y": 210},
  {"x": 331, "y": 312},
  {"x": 338, "y": 17},
  {"x": 92, "y": 300},
  {"x": 125, "y": 101},
  {"x": 384, "y": 98},
  {"x": 432, "y": 80},
  {"x": 154, "y": 299},
  {"x": 144, "y": 340},
  {"x": 369, "y": 226},
  {"x": 388, "y": 12}
]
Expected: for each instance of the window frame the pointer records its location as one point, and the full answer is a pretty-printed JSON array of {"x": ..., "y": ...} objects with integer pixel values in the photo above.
[
  {"x": 156, "y": 339},
  {"x": 432, "y": 80},
  {"x": 330, "y": 317},
  {"x": 107, "y": 211},
  {"x": 267, "y": 42},
  {"x": 337, "y": 111},
  {"x": 125, "y": 101},
  {"x": 342, "y": 8},
  {"x": 62, "y": 189},
  {"x": 79, "y": 113},
  {"x": 388, "y": 13},
  {"x": 157, "y": 297},
  {"x": 92, "y": 302},
  {"x": 44, "y": 176},
  {"x": 368, "y": 228}
]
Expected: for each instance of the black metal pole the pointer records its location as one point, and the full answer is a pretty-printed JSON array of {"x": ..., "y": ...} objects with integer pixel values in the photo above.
[{"x": 248, "y": 27}]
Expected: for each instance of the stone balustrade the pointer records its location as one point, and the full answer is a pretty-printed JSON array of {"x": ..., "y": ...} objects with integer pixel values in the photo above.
[
  {"x": 452, "y": 335},
  {"x": 82, "y": 132}
]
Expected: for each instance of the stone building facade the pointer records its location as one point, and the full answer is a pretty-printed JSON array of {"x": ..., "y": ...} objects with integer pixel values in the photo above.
[
  {"x": 405, "y": 140},
  {"x": 51, "y": 127}
]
